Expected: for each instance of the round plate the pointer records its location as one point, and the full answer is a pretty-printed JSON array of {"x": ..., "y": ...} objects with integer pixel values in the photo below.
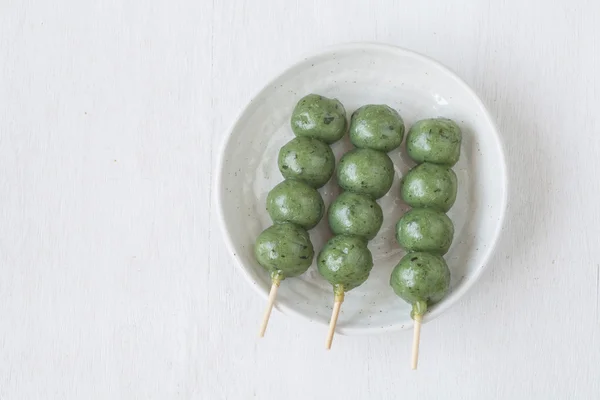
[{"x": 360, "y": 74}]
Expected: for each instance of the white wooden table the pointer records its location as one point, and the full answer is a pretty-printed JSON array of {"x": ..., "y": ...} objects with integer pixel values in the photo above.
[{"x": 114, "y": 279}]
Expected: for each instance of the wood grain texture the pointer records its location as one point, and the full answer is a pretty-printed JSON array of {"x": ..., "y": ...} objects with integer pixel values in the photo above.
[{"x": 115, "y": 282}]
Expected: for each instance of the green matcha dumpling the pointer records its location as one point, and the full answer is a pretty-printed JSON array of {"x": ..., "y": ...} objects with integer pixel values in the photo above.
[
  {"x": 425, "y": 229},
  {"x": 345, "y": 262},
  {"x": 308, "y": 160},
  {"x": 434, "y": 140},
  {"x": 284, "y": 250},
  {"x": 355, "y": 214},
  {"x": 319, "y": 117},
  {"x": 377, "y": 127},
  {"x": 296, "y": 202},
  {"x": 366, "y": 171},
  {"x": 421, "y": 279},
  {"x": 429, "y": 186}
]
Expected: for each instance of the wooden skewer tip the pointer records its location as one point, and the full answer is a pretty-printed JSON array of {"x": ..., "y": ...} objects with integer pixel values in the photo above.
[
  {"x": 416, "y": 339},
  {"x": 272, "y": 295},
  {"x": 337, "y": 305}
]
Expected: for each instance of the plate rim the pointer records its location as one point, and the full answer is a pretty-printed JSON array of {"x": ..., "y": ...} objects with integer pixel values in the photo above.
[{"x": 447, "y": 302}]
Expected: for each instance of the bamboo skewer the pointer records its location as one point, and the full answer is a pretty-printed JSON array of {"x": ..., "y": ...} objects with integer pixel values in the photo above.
[
  {"x": 337, "y": 305},
  {"x": 416, "y": 339},
  {"x": 276, "y": 280}
]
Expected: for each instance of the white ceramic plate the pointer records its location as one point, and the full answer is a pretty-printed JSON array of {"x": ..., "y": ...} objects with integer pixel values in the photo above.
[{"x": 359, "y": 74}]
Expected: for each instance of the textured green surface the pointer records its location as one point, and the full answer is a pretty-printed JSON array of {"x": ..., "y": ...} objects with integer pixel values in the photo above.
[
  {"x": 308, "y": 160},
  {"x": 423, "y": 229},
  {"x": 296, "y": 202},
  {"x": 345, "y": 260},
  {"x": 434, "y": 140},
  {"x": 320, "y": 118},
  {"x": 429, "y": 185},
  {"x": 284, "y": 249},
  {"x": 366, "y": 171},
  {"x": 355, "y": 214},
  {"x": 421, "y": 277},
  {"x": 377, "y": 127}
]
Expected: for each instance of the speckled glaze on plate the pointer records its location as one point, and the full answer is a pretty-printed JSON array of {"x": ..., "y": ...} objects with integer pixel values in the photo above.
[{"x": 358, "y": 74}]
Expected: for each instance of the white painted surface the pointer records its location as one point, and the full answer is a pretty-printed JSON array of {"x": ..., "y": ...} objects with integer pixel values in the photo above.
[{"x": 114, "y": 281}]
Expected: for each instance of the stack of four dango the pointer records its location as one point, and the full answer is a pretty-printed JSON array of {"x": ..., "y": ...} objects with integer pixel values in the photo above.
[
  {"x": 422, "y": 277},
  {"x": 366, "y": 174}
]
